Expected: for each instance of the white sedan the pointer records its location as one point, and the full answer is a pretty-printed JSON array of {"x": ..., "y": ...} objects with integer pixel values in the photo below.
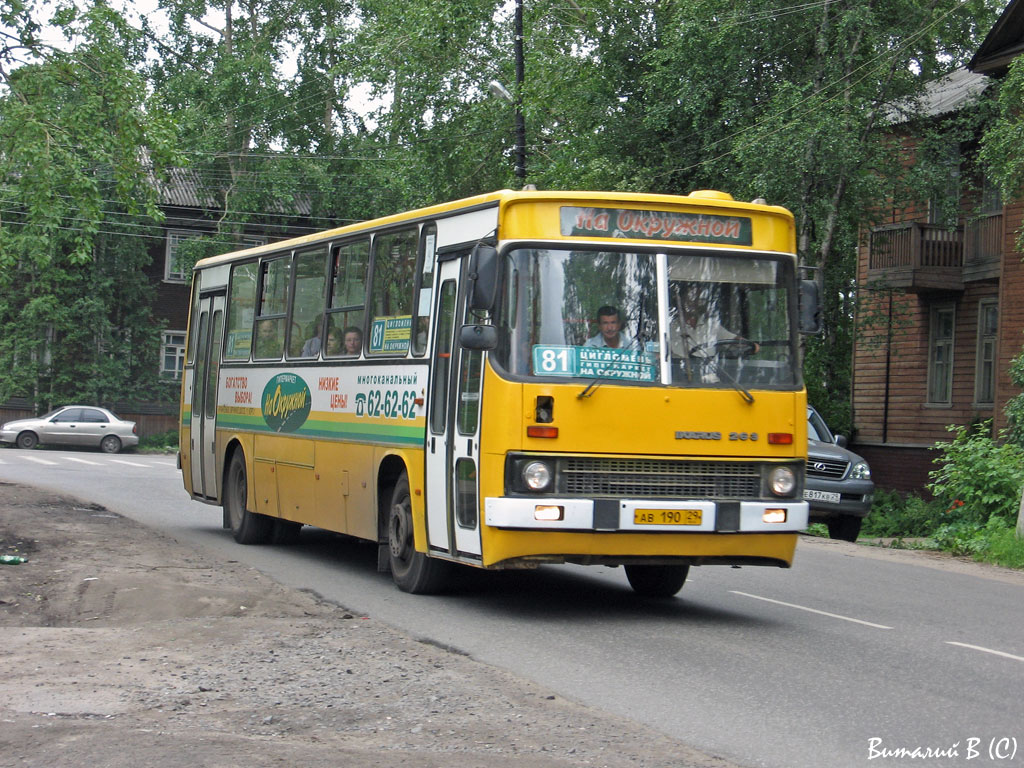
[{"x": 75, "y": 425}]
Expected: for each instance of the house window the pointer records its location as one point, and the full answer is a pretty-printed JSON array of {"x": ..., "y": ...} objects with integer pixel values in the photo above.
[
  {"x": 174, "y": 270},
  {"x": 940, "y": 354},
  {"x": 943, "y": 206},
  {"x": 172, "y": 354},
  {"x": 985, "y": 373},
  {"x": 991, "y": 196}
]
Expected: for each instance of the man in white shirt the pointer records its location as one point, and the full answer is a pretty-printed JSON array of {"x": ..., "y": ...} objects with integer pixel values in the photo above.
[
  {"x": 610, "y": 327},
  {"x": 696, "y": 335}
]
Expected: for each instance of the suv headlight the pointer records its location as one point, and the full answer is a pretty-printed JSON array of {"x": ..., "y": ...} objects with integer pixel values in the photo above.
[{"x": 860, "y": 471}]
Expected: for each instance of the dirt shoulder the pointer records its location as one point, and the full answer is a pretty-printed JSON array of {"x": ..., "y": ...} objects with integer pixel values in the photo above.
[
  {"x": 882, "y": 549},
  {"x": 122, "y": 647}
]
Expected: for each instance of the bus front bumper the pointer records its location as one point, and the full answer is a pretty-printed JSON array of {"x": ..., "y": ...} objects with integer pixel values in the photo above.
[{"x": 645, "y": 515}]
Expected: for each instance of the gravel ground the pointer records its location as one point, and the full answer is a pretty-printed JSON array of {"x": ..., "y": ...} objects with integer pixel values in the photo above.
[{"x": 122, "y": 647}]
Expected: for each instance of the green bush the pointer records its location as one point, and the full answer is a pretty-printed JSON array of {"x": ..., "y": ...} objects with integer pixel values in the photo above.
[
  {"x": 896, "y": 516},
  {"x": 162, "y": 442},
  {"x": 995, "y": 542},
  {"x": 977, "y": 487},
  {"x": 1004, "y": 548},
  {"x": 977, "y": 477}
]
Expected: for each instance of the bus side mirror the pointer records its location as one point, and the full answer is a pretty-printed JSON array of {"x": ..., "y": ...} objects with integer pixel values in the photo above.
[
  {"x": 483, "y": 278},
  {"x": 810, "y": 307},
  {"x": 478, "y": 337}
]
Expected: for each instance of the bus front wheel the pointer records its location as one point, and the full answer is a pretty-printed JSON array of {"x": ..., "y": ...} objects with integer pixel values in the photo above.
[
  {"x": 247, "y": 527},
  {"x": 412, "y": 571},
  {"x": 657, "y": 580}
]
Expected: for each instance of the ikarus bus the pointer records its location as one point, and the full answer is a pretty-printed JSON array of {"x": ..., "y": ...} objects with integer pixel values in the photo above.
[{"x": 511, "y": 380}]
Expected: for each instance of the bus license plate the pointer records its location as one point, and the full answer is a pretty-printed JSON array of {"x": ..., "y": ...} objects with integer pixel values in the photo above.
[{"x": 667, "y": 516}]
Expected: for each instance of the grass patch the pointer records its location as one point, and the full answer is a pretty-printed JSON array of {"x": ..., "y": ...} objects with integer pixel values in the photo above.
[{"x": 933, "y": 526}]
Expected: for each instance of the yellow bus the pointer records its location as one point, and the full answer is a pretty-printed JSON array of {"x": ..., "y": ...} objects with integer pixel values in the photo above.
[{"x": 510, "y": 380}]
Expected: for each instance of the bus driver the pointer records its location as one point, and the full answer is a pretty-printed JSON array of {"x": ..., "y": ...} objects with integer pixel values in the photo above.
[{"x": 610, "y": 327}]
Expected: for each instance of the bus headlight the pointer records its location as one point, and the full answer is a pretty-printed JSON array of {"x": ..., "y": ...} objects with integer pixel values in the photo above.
[
  {"x": 537, "y": 476},
  {"x": 782, "y": 481}
]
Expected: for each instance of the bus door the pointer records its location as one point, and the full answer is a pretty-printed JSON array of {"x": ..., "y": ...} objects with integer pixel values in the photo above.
[
  {"x": 453, "y": 520},
  {"x": 210, "y": 322}
]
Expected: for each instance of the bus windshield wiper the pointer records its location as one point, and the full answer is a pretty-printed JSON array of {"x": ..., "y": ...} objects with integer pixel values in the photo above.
[
  {"x": 745, "y": 394},
  {"x": 591, "y": 388}
]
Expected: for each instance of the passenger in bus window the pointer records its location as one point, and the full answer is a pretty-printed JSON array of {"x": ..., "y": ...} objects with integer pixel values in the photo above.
[
  {"x": 333, "y": 342},
  {"x": 353, "y": 340},
  {"x": 268, "y": 339},
  {"x": 311, "y": 348},
  {"x": 610, "y": 330}
]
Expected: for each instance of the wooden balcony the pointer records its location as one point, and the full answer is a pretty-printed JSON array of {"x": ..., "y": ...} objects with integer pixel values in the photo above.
[
  {"x": 917, "y": 257},
  {"x": 983, "y": 247}
]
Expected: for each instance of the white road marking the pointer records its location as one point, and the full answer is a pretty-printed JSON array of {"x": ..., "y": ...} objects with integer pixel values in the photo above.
[
  {"x": 812, "y": 610},
  {"x": 40, "y": 461},
  {"x": 986, "y": 650},
  {"x": 84, "y": 461},
  {"x": 128, "y": 463}
]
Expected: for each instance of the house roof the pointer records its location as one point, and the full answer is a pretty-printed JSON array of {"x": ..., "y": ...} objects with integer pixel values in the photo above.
[
  {"x": 184, "y": 188},
  {"x": 1004, "y": 42},
  {"x": 947, "y": 94}
]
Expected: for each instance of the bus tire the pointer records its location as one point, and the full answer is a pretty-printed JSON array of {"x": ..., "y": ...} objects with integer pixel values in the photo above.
[
  {"x": 657, "y": 580},
  {"x": 246, "y": 527},
  {"x": 412, "y": 571},
  {"x": 285, "y": 533}
]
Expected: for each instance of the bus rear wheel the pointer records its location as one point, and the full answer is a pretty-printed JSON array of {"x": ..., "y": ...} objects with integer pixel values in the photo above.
[
  {"x": 412, "y": 571},
  {"x": 247, "y": 527},
  {"x": 657, "y": 580}
]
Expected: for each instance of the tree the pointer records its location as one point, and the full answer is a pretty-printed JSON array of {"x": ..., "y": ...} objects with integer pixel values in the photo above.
[
  {"x": 1002, "y": 143},
  {"x": 781, "y": 103},
  {"x": 78, "y": 158}
]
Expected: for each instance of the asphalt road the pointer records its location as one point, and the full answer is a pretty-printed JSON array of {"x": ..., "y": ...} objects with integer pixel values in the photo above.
[{"x": 836, "y": 662}]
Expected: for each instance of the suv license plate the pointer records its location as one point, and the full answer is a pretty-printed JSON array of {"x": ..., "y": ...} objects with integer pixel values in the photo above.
[{"x": 828, "y": 496}]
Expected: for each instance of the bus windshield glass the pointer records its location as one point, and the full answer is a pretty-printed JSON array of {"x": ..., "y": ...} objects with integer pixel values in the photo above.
[{"x": 720, "y": 320}]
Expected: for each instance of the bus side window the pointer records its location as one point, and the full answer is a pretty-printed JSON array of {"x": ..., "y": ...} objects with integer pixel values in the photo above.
[
  {"x": 241, "y": 311},
  {"x": 421, "y": 322},
  {"x": 347, "y": 298},
  {"x": 270, "y": 322},
  {"x": 394, "y": 266},
  {"x": 445, "y": 331},
  {"x": 193, "y": 315},
  {"x": 307, "y": 325}
]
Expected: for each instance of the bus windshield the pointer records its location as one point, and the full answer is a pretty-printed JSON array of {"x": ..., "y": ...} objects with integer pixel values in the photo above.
[{"x": 723, "y": 319}]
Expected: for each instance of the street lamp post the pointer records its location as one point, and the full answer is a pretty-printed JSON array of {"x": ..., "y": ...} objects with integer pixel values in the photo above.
[{"x": 520, "y": 73}]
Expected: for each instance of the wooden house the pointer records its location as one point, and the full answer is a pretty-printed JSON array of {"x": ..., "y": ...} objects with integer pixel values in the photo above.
[{"x": 942, "y": 293}]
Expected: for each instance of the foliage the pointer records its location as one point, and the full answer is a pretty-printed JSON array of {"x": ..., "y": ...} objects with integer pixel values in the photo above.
[
  {"x": 1014, "y": 408},
  {"x": 320, "y": 112},
  {"x": 978, "y": 477},
  {"x": 1001, "y": 143},
  {"x": 735, "y": 95},
  {"x": 977, "y": 495},
  {"x": 994, "y": 541},
  {"x": 160, "y": 442},
  {"x": 897, "y": 516},
  {"x": 78, "y": 156}
]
